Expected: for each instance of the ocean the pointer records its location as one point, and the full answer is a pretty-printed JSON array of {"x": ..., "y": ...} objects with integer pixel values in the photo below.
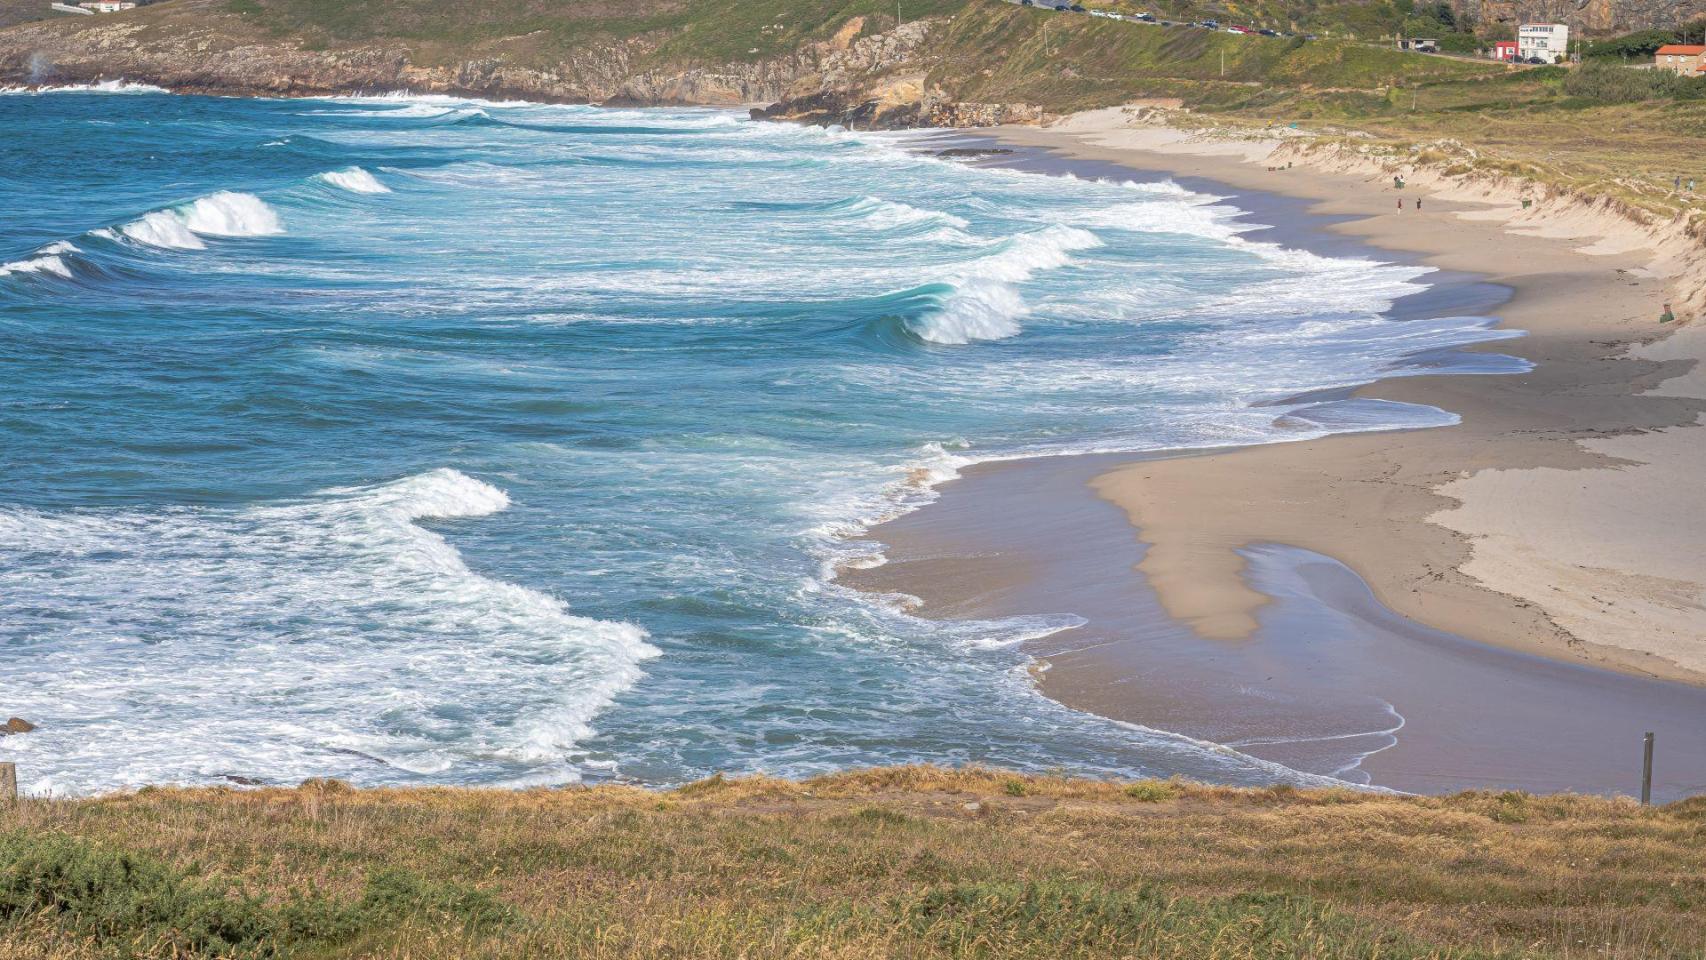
[{"x": 419, "y": 440}]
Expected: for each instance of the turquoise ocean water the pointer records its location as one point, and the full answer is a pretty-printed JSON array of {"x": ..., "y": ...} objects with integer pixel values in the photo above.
[{"x": 422, "y": 440}]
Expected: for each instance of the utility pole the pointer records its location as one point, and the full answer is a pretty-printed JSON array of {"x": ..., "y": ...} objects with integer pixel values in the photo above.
[
  {"x": 1647, "y": 770},
  {"x": 898, "y": 22}
]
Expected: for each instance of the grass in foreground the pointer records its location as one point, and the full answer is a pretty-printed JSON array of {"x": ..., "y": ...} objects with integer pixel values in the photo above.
[{"x": 907, "y": 862}]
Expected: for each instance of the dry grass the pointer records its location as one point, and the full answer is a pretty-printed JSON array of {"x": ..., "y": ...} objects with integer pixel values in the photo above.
[{"x": 913, "y": 862}]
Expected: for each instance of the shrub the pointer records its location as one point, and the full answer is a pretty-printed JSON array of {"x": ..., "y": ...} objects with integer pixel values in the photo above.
[
  {"x": 1151, "y": 791},
  {"x": 1609, "y": 83},
  {"x": 1639, "y": 45},
  {"x": 118, "y": 897}
]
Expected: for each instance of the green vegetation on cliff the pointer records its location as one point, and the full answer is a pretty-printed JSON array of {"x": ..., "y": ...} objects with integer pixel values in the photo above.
[
  {"x": 1001, "y": 54},
  {"x": 906, "y": 862}
]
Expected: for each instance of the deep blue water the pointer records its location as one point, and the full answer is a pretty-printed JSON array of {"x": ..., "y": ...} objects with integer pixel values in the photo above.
[{"x": 419, "y": 440}]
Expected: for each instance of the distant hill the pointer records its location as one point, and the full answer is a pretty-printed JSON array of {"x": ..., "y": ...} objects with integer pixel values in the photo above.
[{"x": 948, "y": 61}]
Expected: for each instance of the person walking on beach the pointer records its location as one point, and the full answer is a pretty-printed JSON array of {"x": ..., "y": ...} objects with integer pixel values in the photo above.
[
  {"x": 1418, "y": 204},
  {"x": 1400, "y": 204}
]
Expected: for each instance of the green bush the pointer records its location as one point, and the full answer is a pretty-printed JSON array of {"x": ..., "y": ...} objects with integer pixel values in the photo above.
[
  {"x": 1639, "y": 45},
  {"x": 116, "y": 895},
  {"x": 1608, "y": 83},
  {"x": 119, "y": 897},
  {"x": 1152, "y": 791}
]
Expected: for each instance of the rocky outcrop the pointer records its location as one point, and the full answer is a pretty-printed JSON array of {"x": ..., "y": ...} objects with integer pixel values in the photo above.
[
  {"x": 15, "y": 725},
  {"x": 1592, "y": 16}
]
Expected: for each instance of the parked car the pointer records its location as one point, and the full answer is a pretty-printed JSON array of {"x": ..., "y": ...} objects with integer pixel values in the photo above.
[
  {"x": 1268, "y": 33},
  {"x": 1027, "y": 3},
  {"x": 1061, "y": 7},
  {"x": 1146, "y": 17},
  {"x": 1536, "y": 61},
  {"x": 1076, "y": 8}
]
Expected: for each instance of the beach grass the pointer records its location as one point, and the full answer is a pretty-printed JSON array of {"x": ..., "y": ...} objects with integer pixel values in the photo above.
[{"x": 898, "y": 862}]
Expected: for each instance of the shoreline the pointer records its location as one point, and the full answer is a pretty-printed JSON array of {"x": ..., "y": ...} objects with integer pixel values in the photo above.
[
  {"x": 1448, "y": 527},
  {"x": 1589, "y": 320}
]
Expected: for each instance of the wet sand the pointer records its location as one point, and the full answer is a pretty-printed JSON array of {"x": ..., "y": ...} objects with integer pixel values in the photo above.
[
  {"x": 1331, "y": 681},
  {"x": 1319, "y": 603}
]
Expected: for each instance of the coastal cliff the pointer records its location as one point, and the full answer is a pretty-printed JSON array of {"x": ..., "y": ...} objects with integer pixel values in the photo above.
[
  {"x": 858, "y": 72},
  {"x": 947, "y": 63}
]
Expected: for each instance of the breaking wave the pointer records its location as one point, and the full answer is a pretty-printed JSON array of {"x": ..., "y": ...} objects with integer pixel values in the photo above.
[
  {"x": 983, "y": 302},
  {"x": 223, "y": 214},
  {"x": 378, "y": 614},
  {"x": 354, "y": 179},
  {"x": 105, "y": 86},
  {"x": 47, "y": 264}
]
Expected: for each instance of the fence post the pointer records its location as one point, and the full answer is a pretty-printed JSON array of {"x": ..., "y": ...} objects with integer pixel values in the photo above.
[
  {"x": 8, "y": 782},
  {"x": 1647, "y": 770}
]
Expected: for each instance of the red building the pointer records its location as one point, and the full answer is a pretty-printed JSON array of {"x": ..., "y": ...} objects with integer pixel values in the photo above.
[{"x": 1504, "y": 50}]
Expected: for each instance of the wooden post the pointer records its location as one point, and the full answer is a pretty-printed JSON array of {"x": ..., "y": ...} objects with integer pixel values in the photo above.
[
  {"x": 1647, "y": 771},
  {"x": 8, "y": 782}
]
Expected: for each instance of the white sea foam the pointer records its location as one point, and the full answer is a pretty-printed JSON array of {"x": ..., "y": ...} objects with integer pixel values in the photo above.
[
  {"x": 329, "y": 636},
  {"x": 231, "y": 214},
  {"x": 353, "y": 179},
  {"x": 984, "y": 303},
  {"x": 978, "y": 309},
  {"x": 162, "y": 228},
  {"x": 223, "y": 214},
  {"x": 105, "y": 86},
  {"x": 40, "y": 264},
  {"x": 889, "y": 214}
]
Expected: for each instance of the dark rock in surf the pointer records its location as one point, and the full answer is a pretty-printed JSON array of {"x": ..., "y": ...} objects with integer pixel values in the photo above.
[{"x": 16, "y": 725}]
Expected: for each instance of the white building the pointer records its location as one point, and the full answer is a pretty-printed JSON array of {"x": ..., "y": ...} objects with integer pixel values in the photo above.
[
  {"x": 1548, "y": 41},
  {"x": 107, "y": 6}
]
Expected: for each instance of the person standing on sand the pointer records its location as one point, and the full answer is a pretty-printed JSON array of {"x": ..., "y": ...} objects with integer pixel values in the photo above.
[
  {"x": 1418, "y": 204},
  {"x": 1400, "y": 204}
]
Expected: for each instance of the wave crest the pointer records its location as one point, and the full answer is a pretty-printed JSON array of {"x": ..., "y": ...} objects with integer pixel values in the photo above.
[
  {"x": 441, "y": 494},
  {"x": 223, "y": 214},
  {"x": 983, "y": 303},
  {"x": 164, "y": 229},
  {"x": 354, "y": 180},
  {"x": 231, "y": 214},
  {"x": 50, "y": 263}
]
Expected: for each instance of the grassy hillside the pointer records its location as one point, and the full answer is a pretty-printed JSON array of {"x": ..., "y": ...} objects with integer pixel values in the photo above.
[
  {"x": 710, "y": 30},
  {"x": 23, "y": 11},
  {"x": 909, "y": 862},
  {"x": 999, "y": 52}
]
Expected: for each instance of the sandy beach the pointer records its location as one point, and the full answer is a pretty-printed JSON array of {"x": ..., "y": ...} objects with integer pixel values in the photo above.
[{"x": 1551, "y": 542}]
